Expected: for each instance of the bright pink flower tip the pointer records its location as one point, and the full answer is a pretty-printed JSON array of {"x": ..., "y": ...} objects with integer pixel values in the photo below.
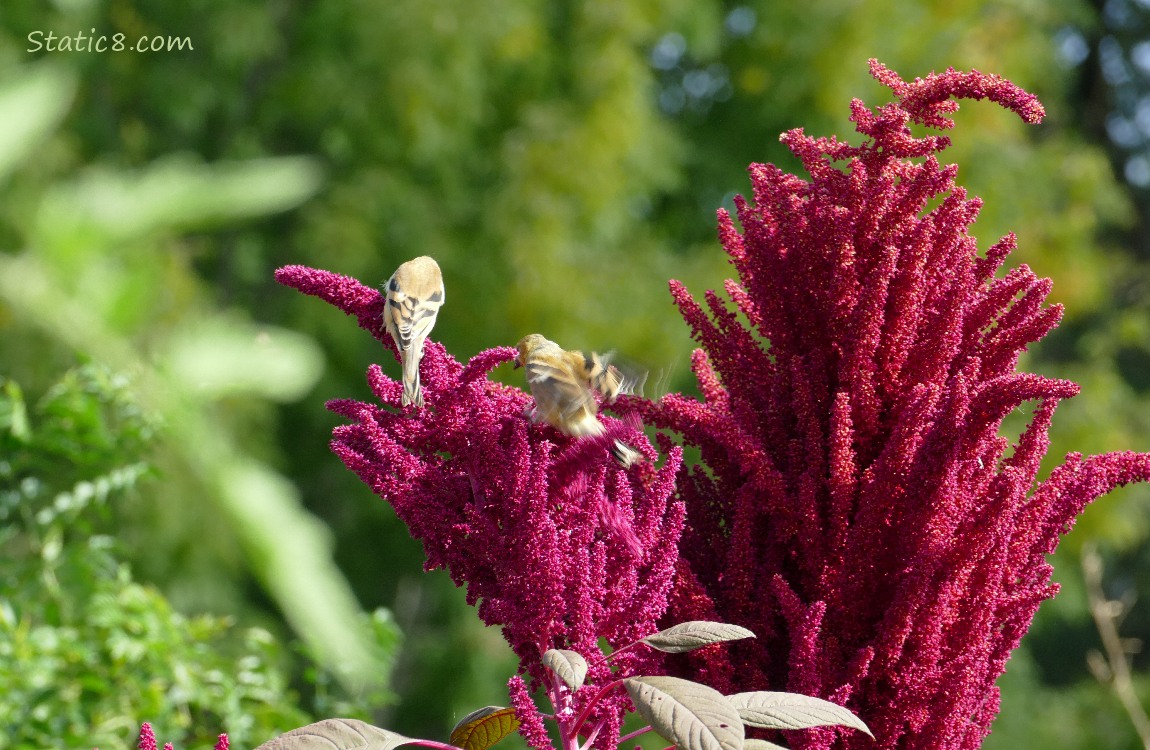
[
  {"x": 147, "y": 737},
  {"x": 365, "y": 303}
]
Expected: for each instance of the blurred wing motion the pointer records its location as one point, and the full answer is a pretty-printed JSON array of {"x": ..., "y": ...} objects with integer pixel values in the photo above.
[
  {"x": 614, "y": 381},
  {"x": 414, "y": 295},
  {"x": 561, "y": 383}
]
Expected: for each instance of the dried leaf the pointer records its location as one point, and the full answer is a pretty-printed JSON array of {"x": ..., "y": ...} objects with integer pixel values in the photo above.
[
  {"x": 688, "y": 636},
  {"x": 483, "y": 728},
  {"x": 693, "y": 716},
  {"x": 569, "y": 666},
  {"x": 337, "y": 734},
  {"x": 792, "y": 711}
]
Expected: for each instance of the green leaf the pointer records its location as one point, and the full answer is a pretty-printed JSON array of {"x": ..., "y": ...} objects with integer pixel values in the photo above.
[
  {"x": 688, "y": 636},
  {"x": 14, "y": 412},
  {"x": 482, "y": 728},
  {"x": 337, "y": 734},
  {"x": 569, "y": 666},
  {"x": 693, "y": 716},
  {"x": 226, "y": 357},
  {"x": 30, "y": 107},
  {"x": 177, "y": 193},
  {"x": 792, "y": 711},
  {"x": 289, "y": 551}
]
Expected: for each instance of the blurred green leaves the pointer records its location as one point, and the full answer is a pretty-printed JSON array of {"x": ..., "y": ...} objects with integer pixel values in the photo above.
[
  {"x": 109, "y": 209},
  {"x": 86, "y": 652},
  {"x": 218, "y": 358},
  {"x": 97, "y": 276},
  {"x": 83, "y": 440},
  {"x": 33, "y": 104}
]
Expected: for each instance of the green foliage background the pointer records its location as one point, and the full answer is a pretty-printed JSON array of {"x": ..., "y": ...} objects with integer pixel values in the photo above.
[{"x": 561, "y": 160}]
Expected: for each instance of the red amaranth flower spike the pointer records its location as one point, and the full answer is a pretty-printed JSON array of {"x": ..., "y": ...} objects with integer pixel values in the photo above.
[
  {"x": 859, "y": 511},
  {"x": 147, "y": 740},
  {"x": 147, "y": 737},
  {"x": 554, "y": 542},
  {"x": 530, "y": 722}
]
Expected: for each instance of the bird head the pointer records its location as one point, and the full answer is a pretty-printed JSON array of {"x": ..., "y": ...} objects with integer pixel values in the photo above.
[{"x": 526, "y": 345}]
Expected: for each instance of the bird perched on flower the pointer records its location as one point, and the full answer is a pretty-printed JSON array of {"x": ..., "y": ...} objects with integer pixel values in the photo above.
[
  {"x": 414, "y": 295},
  {"x": 562, "y": 382}
]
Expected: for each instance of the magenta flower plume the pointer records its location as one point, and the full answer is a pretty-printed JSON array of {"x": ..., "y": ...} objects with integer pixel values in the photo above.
[
  {"x": 147, "y": 737},
  {"x": 147, "y": 740},
  {"x": 554, "y": 542},
  {"x": 858, "y": 509}
]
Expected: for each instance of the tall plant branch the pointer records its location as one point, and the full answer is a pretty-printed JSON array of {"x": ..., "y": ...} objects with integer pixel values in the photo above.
[{"x": 1107, "y": 613}]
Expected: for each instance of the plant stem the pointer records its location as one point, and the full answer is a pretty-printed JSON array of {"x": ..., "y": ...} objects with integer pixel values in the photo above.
[
  {"x": 587, "y": 709},
  {"x": 1105, "y": 612},
  {"x": 592, "y": 735},
  {"x": 618, "y": 651},
  {"x": 568, "y": 731},
  {"x": 634, "y": 734},
  {"x": 432, "y": 743}
]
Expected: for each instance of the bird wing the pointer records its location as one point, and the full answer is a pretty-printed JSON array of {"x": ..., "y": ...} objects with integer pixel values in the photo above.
[
  {"x": 560, "y": 399},
  {"x": 409, "y": 317}
]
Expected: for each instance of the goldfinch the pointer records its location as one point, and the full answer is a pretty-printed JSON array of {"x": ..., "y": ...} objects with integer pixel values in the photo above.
[
  {"x": 561, "y": 383},
  {"x": 414, "y": 295}
]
